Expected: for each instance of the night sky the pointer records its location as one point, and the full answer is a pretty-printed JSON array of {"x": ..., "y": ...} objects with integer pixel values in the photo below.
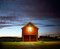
[{"x": 44, "y": 14}]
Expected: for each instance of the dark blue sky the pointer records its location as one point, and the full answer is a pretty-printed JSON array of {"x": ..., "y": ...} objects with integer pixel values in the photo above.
[{"x": 44, "y": 14}]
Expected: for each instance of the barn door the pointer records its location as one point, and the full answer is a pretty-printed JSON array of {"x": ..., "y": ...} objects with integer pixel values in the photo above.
[
  {"x": 33, "y": 37},
  {"x": 26, "y": 37},
  {"x": 30, "y": 38}
]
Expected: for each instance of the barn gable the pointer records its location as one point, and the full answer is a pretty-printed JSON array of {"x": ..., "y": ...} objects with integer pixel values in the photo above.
[{"x": 30, "y": 24}]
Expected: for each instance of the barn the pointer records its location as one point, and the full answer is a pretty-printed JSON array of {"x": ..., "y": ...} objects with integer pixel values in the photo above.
[{"x": 29, "y": 32}]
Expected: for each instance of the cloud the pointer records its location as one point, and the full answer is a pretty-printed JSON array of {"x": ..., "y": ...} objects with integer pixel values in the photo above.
[
  {"x": 35, "y": 8},
  {"x": 19, "y": 12},
  {"x": 46, "y": 25},
  {"x": 8, "y": 21},
  {"x": 51, "y": 25},
  {"x": 7, "y": 18},
  {"x": 5, "y": 21},
  {"x": 2, "y": 26}
]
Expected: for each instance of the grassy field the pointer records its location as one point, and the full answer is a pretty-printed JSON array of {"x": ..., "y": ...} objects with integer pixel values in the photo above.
[{"x": 30, "y": 45}]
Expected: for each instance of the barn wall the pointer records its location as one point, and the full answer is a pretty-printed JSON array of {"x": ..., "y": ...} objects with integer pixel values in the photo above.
[
  {"x": 29, "y": 36},
  {"x": 25, "y": 32}
]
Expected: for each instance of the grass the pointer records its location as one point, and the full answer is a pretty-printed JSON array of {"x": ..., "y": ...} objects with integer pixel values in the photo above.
[{"x": 31, "y": 45}]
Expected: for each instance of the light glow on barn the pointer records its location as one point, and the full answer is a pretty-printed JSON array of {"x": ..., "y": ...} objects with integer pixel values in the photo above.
[{"x": 30, "y": 29}]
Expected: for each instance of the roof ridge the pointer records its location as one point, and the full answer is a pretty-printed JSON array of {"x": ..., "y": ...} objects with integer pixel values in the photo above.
[{"x": 28, "y": 24}]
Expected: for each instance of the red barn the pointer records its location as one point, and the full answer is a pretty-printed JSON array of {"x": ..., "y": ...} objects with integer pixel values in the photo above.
[{"x": 29, "y": 32}]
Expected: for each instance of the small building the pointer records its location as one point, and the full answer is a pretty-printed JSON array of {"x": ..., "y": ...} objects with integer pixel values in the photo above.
[{"x": 29, "y": 32}]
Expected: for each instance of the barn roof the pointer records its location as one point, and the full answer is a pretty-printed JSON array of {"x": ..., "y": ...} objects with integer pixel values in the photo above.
[{"x": 30, "y": 24}]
